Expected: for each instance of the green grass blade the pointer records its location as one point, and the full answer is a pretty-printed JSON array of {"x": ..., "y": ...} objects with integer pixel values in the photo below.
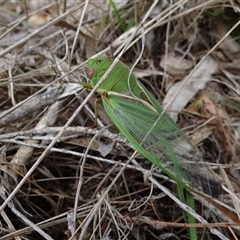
[{"x": 122, "y": 23}]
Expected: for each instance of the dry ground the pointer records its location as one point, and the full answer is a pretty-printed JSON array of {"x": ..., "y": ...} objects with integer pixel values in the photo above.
[{"x": 78, "y": 185}]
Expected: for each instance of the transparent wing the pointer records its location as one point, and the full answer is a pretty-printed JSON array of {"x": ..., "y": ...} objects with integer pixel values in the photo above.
[{"x": 161, "y": 141}]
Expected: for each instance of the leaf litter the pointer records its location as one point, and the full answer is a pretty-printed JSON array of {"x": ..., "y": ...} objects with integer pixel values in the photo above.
[{"x": 64, "y": 195}]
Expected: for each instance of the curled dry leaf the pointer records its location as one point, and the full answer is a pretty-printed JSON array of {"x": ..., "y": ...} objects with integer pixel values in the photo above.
[
  {"x": 197, "y": 81},
  {"x": 200, "y": 135},
  {"x": 175, "y": 64},
  {"x": 212, "y": 108}
]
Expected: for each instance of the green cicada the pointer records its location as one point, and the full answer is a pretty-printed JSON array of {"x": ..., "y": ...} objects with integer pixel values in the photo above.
[{"x": 142, "y": 120}]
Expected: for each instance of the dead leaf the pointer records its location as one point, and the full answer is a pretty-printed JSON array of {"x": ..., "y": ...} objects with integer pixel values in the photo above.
[
  {"x": 197, "y": 81},
  {"x": 175, "y": 64},
  {"x": 212, "y": 108},
  {"x": 39, "y": 19},
  {"x": 200, "y": 135}
]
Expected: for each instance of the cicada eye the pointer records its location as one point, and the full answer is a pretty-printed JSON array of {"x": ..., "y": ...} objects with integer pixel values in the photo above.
[{"x": 99, "y": 61}]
